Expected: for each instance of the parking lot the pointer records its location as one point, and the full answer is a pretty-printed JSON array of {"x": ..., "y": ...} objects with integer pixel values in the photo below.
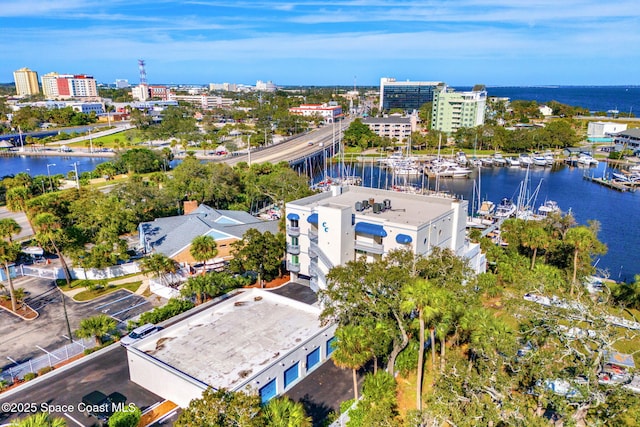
[{"x": 21, "y": 339}]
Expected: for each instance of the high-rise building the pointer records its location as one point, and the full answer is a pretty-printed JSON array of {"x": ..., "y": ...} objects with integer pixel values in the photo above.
[
  {"x": 26, "y": 82},
  {"x": 454, "y": 110},
  {"x": 122, "y": 83},
  {"x": 66, "y": 86},
  {"x": 407, "y": 96}
]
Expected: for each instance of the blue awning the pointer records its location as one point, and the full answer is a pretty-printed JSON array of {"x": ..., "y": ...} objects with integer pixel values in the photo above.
[
  {"x": 372, "y": 229},
  {"x": 313, "y": 218},
  {"x": 293, "y": 216},
  {"x": 403, "y": 239}
]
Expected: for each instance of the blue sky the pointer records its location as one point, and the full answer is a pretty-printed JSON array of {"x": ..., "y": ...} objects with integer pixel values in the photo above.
[{"x": 328, "y": 42}]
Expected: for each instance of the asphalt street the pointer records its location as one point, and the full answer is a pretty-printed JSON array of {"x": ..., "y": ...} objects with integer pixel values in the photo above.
[
  {"x": 108, "y": 373},
  {"x": 21, "y": 339}
]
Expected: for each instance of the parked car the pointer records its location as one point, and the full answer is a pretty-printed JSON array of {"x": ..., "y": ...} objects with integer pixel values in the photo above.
[
  {"x": 139, "y": 333},
  {"x": 100, "y": 406}
]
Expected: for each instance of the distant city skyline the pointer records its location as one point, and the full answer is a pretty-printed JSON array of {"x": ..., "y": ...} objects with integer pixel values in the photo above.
[{"x": 350, "y": 42}]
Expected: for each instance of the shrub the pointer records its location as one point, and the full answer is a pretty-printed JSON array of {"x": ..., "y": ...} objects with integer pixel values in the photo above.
[
  {"x": 45, "y": 370},
  {"x": 172, "y": 308},
  {"x": 3, "y": 384},
  {"x": 129, "y": 416},
  {"x": 30, "y": 376}
]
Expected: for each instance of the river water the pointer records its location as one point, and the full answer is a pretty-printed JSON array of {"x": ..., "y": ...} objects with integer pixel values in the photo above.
[{"x": 616, "y": 211}]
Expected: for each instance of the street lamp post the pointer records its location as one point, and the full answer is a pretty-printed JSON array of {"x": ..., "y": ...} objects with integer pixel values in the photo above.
[
  {"x": 49, "y": 174},
  {"x": 64, "y": 308}
]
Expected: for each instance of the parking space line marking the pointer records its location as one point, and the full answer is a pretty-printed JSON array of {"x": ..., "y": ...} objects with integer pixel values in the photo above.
[
  {"x": 113, "y": 302},
  {"x": 130, "y": 308},
  {"x": 74, "y": 420}
]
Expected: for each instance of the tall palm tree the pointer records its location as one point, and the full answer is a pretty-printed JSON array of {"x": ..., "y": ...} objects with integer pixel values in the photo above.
[
  {"x": 421, "y": 296},
  {"x": 352, "y": 350},
  {"x": 50, "y": 233},
  {"x": 203, "y": 248},
  {"x": 96, "y": 327},
  {"x": 40, "y": 419},
  {"x": 535, "y": 238},
  {"x": 584, "y": 241},
  {"x": 284, "y": 412},
  {"x": 9, "y": 228},
  {"x": 17, "y": 200},
  {"x": 8, "y": 253}
]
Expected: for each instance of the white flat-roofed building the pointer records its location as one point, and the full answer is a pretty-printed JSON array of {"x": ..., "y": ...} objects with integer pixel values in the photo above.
[
  {"x": 207, "y": 102},
  {"x": 256, "y": 341},
  {"x": 396, "y": 127},
  {"x": 328, "y": 112},
  {"x": 604, "y": 129},
  {"x": 331, "y": 228}
]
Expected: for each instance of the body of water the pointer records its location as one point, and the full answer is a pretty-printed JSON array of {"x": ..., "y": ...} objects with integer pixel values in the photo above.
[
  {"x": 596, "y": 98},
  {"x": 37, "y": 165},
  {"x": 617, "y": 212}
]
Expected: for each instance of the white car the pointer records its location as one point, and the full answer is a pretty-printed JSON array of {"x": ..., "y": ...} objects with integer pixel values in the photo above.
[{"x": 139, "y": 333}]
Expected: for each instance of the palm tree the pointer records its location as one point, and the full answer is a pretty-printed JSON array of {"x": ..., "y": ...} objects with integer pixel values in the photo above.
[
  {"x": 96, "y": 327},
  {"x": 8, "y": 254},
  {"x": 284, "y": 412},
  {"x": 40, "y": 419},
  {"x": 421, "y": 296},
  {"x": 50, "y": 234},
  {"x": 352, "y": 350},
  {"x": 203, "y": 248},
  {"x": 535, "y": 238},
  {"x": 9, "y": 251},
  {"x": 9, "y": 228},
  {"x": 198, "y": 286},
  {"x": 584, "y": 241},
  {"x": 158, "y": 264},
  {"x": 17, "y": 199}
]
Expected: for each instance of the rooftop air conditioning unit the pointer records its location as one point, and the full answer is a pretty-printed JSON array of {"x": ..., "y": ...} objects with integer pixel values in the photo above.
[
  {"x": 359, "y": 207},
  {"x": 377, "y": 208}
]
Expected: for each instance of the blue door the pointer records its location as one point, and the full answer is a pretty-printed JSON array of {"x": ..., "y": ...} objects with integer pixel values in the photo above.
[
  {"x": 331, "y": 346},
  {"x": 313, "y": 358},
  {"x": 291, "y": 374},
  {"x": 269, "y": 391}
]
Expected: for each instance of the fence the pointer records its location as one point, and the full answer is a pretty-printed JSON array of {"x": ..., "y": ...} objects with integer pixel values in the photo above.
[
  {"x": 49, "y": 359},
  {"x": 79, "y": 273}
]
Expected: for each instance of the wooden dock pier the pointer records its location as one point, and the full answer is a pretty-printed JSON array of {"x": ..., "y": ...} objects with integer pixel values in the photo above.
[{"x": 610, "y": 183}]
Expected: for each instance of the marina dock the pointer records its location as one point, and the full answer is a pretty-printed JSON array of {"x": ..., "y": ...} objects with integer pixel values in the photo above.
[{"x": 612, "y": 183}]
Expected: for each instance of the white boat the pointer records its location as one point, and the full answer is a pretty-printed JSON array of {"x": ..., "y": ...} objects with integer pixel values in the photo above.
[
  {"x": 548, "y": 156},
  {"x": 539, "y": 160},
  {"x": 635, "y": 168},
  {"x": 586, "y": 160},
  {"x": 461, "y": 158},
  {"x": 448, "y": 171},
  {"x": 505, "y": 209},
  {"x": 487, "y": 208},
  {"x": 547, "y": 207},
  {"x": 487, "y": 161},
  {"x": 525, "y": 160},
  {"x": 407, "y": 170},
  {"x": 34, "y": 251},
  {"x": 498, "y": 160},
  {"x": 513, "y": 161}
]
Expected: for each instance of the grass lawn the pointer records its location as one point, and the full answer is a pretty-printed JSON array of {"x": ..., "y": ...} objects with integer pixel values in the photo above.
[{"x": 91, "y": 294}]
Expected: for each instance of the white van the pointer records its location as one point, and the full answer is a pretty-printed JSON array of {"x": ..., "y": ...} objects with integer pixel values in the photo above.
[{"x": 139, "y": 333}]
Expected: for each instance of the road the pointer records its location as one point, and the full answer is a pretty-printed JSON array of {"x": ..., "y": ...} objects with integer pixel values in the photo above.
[
  {"x": 107, "y": 372},
  {"x": 294, "y": 148}
]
